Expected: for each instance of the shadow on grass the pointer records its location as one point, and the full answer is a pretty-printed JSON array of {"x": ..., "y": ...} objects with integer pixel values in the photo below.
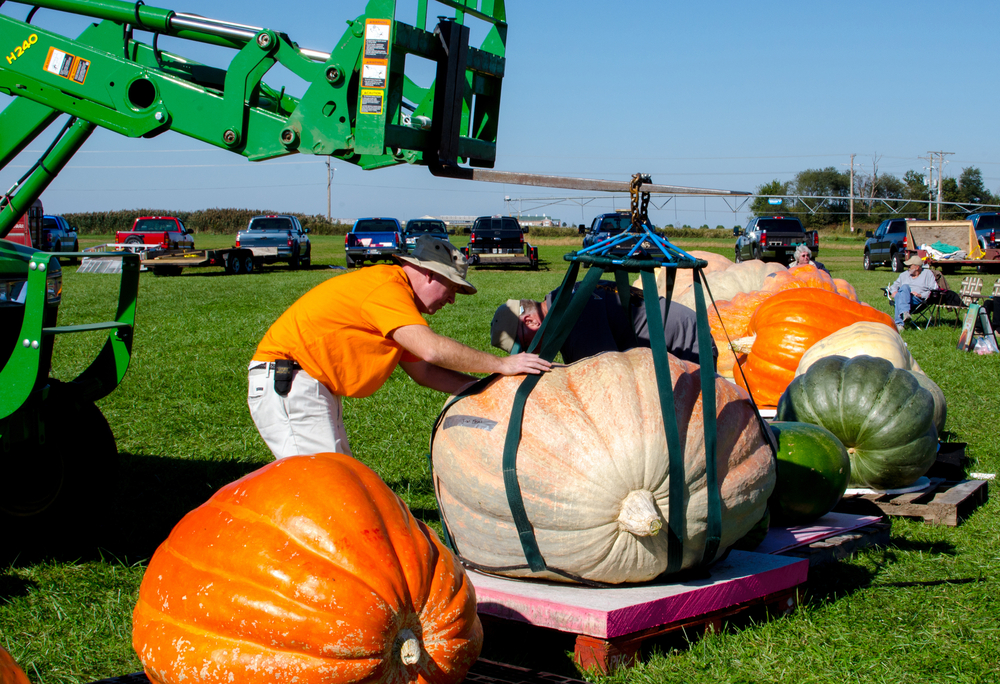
[
  {"x": 13, "y": 587},
  {"x": 132, "y": 515}
]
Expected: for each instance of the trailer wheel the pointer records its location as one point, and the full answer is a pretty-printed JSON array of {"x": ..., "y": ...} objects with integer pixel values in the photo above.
[
  {"x": 53, "y": 492},
  {"x": 248, "y": 262},
  {"x": 234, "y": 264}
]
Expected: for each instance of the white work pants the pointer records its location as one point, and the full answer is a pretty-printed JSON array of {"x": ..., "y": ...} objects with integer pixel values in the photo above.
[{"x": 308, "y": 420}]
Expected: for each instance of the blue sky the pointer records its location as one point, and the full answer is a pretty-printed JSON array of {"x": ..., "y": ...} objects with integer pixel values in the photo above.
[{"x": 711, "y": 94}]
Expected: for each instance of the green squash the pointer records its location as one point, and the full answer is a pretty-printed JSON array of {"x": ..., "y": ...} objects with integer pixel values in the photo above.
[
  {"x": 880, "y": 413},
  {"x": 813, "y": 471}
]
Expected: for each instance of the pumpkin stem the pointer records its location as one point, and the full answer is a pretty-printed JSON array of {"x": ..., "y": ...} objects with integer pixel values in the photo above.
[
  {"x": 639, "y": 514},
  {"x": 743, "y": 345},
  {"x": 409, "y": 650}
]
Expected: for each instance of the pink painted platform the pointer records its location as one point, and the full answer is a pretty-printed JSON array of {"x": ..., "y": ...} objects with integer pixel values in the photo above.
[
  {"x": 620, "y": 611},
  {"x": 784, "y": 539}
]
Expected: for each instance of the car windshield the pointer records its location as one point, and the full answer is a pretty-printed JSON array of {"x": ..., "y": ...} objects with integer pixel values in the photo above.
[
  {"x": 788, "y": 225},
  {"x": 376, "y": 226},
  {"x": 155, "y": 225},
  {"x": 425, "y": 227},
  {"x": 271, "y": 224},
  {"x": 497, "y": 223},
  {"x": 615, "y": 224}
]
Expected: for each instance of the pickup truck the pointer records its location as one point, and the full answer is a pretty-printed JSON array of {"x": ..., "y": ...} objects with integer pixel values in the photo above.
[
  {"x": 417, "y": 227},
  {"x": 59, "y": 236},
  {"x": 887, "y": 245},
  {"x": 276, "y": 238},
  {"x": 773, "y": 238},
  {"x": 164, "y": 232},
  {"x": 499, "y": 240},
  {"x": 605, "y": 226},
  {"x": 986, "y": 224},
  {"x": 373, "y": 239}
]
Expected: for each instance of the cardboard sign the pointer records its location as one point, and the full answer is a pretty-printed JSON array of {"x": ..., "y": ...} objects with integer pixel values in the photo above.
[{"x": 968, "y": 328}]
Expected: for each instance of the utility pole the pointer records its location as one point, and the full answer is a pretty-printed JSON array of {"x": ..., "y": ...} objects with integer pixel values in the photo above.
[
  {"x": 930, "y": 183},
  {"x": 329, "y": 182},
  {"x": 852, "y": 192},
  {"x": 940, "y": 156}
]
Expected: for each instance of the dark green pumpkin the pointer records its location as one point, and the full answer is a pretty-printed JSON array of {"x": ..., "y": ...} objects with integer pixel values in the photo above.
[
  {"x": 880, "y": 413},
  {"x": 813, "y": 471}
]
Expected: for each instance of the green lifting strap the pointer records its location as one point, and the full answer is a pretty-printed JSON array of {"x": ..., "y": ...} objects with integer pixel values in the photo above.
[
  {"x": 675, "y": 452},
  {"x": 625, "y": 299},
  {"x": 557, "y": 323},
  {"x": 714, "y": 525}
]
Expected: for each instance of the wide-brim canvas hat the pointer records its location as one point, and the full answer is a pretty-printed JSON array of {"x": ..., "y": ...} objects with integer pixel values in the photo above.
[
  {"x": 503, "y": 328},
  {"x": 913, "y": 261},
  {"x": 443, "y": 258}
]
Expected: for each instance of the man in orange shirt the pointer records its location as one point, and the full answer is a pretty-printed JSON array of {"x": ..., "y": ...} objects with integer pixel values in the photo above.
[{"x": 344, "y": 338}]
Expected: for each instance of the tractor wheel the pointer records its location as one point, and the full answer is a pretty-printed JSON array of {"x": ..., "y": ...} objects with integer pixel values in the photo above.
[{"x": 58, "y": 479}]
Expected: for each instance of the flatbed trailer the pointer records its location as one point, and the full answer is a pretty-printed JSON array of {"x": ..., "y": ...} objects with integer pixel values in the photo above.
[
  {"x": 234, "y": 260},
  {"x": 959, "y": 234}
]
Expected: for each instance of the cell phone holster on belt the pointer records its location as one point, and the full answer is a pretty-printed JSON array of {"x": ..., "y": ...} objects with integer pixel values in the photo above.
[{"x": 283, "y": 371}]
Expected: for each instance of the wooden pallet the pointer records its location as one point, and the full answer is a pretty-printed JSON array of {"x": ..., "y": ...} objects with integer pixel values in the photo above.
[
  {"x": 942, "y": 503},
  {"x": 844, "y": 545},
  {"x": 607, "y": 655},
  {"x": 481, "y": 672}
]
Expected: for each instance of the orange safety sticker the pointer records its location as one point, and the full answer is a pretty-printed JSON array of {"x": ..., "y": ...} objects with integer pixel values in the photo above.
[
  {"x": 377, "y": 34},
  {"x": 66, "y": 65}
]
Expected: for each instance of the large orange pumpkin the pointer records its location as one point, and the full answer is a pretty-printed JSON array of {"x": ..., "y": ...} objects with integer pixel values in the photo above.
[
  {"x": 731, "y": 323},
  {"x": 10, "y": 673},
  {"x": 307, "y": 570},
  {"x": 788, "y": 324},
  {"x": 593, "y": 469}
]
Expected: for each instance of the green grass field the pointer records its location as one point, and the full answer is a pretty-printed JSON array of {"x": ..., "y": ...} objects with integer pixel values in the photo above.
[{"x": 924, "y": 609}]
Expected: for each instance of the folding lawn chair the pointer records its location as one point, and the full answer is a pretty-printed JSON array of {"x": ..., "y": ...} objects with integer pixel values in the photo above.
[
  {"x": 968, "y": 292},
  {"x": 927, "y": 310}
]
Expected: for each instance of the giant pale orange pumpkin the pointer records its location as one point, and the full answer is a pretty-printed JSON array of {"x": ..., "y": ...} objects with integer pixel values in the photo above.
[
  {"x": 788, "y": 324},
  {"x": 10, "y": 673},
  {"x": 308, "y": 570},
  {"x": 805, "y": 275},
  {"x": 593, "y": 469}
]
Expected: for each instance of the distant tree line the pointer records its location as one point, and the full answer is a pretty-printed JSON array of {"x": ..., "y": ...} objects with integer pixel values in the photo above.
[
  {"x": 217, "y": 221},
  {"x": 877, "y": 196}
]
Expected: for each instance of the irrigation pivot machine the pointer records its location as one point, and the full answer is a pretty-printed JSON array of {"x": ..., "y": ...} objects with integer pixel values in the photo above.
[{"x": 57, "y": 452}]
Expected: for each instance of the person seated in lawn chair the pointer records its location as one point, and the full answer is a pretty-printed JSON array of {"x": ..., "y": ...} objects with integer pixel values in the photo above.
[
  {"x": 604, "y": 325},
  {"x": 911, "y": 289}
]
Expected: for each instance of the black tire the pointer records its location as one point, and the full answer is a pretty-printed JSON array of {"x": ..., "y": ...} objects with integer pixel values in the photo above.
[
  {"x": 307, "y": 259},
  {"x": 248, "y": 262},
  {"x": 351, "y": 263},
  {"x": 739, "y": 256},
  {"x": 133, "y": 240},
  {"x": 897, "y": 263},
  {"x": 76, "y": 248},
  {"x": 53, "y": 494},
  {"x": 869, "y": 266},
  {"x": 758, "y": 253},
  {"x": 234, "y": 264},
  {"x": 296, "y": 261}
]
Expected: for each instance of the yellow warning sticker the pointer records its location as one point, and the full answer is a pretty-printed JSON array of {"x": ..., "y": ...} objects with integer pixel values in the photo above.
[
  {"x": 66, "y": 65},
  {"x": 371, "y": 101}
]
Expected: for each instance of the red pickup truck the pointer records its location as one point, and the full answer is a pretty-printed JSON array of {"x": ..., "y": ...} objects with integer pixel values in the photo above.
[{"x": 165, "y": 232}]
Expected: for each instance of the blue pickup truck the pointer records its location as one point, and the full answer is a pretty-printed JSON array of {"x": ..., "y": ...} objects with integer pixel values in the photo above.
[
  {"x": 276, "y": 238},
  {"x": 373, "y": 239}
]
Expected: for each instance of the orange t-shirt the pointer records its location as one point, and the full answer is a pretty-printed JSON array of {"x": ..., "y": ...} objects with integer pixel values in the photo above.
[{"x": 337, "y": 331}]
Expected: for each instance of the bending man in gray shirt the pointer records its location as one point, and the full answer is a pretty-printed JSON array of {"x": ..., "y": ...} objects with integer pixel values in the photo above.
[{"x": 603, "y": 326}]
